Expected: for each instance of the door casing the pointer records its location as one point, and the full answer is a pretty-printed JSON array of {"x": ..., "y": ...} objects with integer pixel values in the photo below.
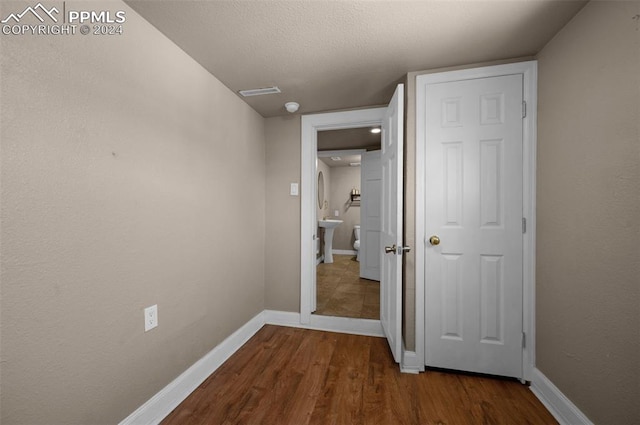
[{"x": 529, "y": 72}]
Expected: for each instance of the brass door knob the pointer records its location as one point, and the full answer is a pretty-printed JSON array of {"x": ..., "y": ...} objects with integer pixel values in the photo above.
[{"x": 434, "y": 240}]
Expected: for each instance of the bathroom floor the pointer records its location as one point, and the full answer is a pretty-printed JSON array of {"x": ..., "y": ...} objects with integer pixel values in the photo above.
[{"x": 341, "y": 291}]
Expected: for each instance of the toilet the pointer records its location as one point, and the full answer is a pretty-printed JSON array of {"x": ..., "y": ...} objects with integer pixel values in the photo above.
[{"x": 356, "y": 244}]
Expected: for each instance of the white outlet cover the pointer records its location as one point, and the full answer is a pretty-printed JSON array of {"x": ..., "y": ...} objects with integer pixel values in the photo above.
[
  {"x": 150, "y": 317},
  {"x": 294, "y": 189}
]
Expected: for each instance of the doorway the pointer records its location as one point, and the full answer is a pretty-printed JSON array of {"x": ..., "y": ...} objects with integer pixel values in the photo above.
[
  {"x": 347, "y": 284},
  {"x": 311, "y": 126}
]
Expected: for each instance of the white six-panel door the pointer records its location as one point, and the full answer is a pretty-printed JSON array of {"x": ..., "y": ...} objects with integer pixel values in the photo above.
[
  {"x": 473, "y": 205},
  {"x": 391, "y": 231}
]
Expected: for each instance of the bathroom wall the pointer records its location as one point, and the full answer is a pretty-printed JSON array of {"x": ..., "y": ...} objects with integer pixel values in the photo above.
[
  {"x": 343, "y": 180},
  {"x": 123, "y": 165},
  {"x": 282, "y": 248},
  {"x": 588, "y": 255}
]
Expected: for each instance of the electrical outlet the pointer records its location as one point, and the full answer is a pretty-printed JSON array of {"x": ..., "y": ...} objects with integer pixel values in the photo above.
[{"x": 150, "y": 317}]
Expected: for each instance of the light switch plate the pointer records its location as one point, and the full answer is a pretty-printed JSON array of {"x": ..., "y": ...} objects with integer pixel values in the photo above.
[{"x": 294, "y": 189}]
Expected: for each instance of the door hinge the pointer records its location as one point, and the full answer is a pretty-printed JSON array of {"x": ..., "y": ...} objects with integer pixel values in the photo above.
[
  {"x": 524, "y": 340},
  {"x": 524, "y": 109},
  {"x": 524, "y": 225}
]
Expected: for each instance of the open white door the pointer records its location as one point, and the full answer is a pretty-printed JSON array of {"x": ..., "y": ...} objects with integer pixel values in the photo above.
[{"x": 391, "y": 215}]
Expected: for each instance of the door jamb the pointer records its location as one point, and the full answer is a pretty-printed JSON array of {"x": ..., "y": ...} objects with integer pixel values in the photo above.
[
  {"x": 529, "y": 71},
  {"x": 310, "y": 126}
]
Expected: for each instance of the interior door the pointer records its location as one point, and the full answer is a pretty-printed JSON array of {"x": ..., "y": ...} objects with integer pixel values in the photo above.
[
  {"x": 370, "y": 209},
  {"x": 391, "y": 215},
  {"x": 473, "y": 211}
]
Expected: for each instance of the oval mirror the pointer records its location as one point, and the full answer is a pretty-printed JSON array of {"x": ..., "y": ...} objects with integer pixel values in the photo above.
[{"x": 320, "y": 190}]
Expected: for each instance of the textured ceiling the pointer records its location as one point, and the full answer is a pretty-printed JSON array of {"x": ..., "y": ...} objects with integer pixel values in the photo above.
[
  {"x": 344, "y": 161},
  {"x": 351, "y": 138},
  {"x": 330, "y": 55}
]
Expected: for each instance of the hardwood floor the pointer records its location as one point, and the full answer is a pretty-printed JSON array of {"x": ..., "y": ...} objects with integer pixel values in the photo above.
[
  {"x": 289, "y": 376},
  {"x": 341, "y": 292}
]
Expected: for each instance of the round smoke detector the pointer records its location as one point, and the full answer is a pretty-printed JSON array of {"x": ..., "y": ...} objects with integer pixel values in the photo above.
[{"x": 292, "y": 106}]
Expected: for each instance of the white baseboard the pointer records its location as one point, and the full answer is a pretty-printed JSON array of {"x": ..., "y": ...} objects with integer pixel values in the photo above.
[
  {"x": 366, "y": 327},
  {"x": 160, "y": 405},
  {"x": 167, "y": 399},
  {"x": 347, "y": 325},
  {"x": 557, "y": 403},
  {"x": 282, "y": 318},
  {"x": 343, "y": 252},
  {"x": 410, "y": 362},
  {"x": 319, "y": 260}
]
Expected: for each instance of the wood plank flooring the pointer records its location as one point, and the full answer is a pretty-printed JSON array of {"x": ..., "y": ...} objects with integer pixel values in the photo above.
[
  {"x": 342, "y": 292},
  {"x": 290, "y": 376}
]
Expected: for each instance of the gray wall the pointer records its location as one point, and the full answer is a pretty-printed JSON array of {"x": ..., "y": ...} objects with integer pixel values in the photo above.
[
  {"x": 123, "y": 165},
  {"x": 282, "y": 253},
  {"x": 588, "y": 251},
  {"x": 343, "y": 179}
]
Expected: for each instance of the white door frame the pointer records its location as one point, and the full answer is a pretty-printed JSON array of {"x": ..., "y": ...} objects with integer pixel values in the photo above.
[
  {"x": 311, "y": 124},
  {"x": 529, "y": 71}
]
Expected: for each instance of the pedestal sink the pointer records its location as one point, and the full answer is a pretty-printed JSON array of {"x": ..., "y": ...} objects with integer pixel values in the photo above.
[{"x": 328, "y": 225}]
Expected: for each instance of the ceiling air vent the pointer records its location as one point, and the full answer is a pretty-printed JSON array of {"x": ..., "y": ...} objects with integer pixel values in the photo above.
[{"x": 257, "y": 92}]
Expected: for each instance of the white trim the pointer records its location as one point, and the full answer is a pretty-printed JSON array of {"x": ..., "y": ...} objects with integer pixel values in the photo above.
[
  {"x": 319, "y": 260},
  {"x": 565, "y": 412},
  {"x": 343, "y": 252},
  {"x": 168, "y": 398},
  {"x": 310, "y": 126},
  {"x": 410, "y": 362},
  {"x": 347, "y": 325},
  {"x": 282, "y": 318},
  {"x": 529, "y": 71},
  {"x": 420, "y": 236},
  {"x": 530, "y": 137}
]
